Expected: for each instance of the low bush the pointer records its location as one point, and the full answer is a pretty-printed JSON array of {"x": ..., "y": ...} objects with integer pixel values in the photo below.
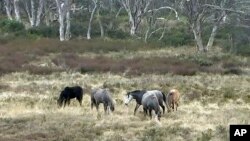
[
  {"x": 11, "y": 26},
  {"x": 44, "y": 31}
]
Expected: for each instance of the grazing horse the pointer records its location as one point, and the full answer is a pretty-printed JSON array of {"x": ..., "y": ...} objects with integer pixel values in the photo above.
[
  {"x": 173, "y": 99},
  {"x": 70, "y": 93},
  {"x": 150, "y": 102},
  {"x": 138, "y": 94},
  {"x": 102, "y": 96}
]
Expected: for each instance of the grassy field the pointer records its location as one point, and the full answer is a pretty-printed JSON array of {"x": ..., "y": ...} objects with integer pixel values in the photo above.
[{"x": 210, "y": 101}]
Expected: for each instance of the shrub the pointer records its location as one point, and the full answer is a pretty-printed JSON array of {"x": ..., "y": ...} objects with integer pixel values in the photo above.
[
  {"x": 235, "y": 39},
  {"x": 178, "y": 36},
  {"x": 118, "y": 34},
  {"x": 11, "y": 26},
  {"x": 44, "y": 31}
]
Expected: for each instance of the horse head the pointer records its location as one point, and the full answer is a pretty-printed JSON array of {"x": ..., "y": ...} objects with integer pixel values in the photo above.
[
  {"x": 112, "y": 107},
  {"x": 60, "y": 101},
  {"x": 128, "y": 98}
]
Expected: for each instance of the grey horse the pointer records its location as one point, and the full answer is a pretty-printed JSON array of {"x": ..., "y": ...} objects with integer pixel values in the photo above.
[
  {"x": 102, "y": 96},
  {"x": 138, "y": 94},
  {"x": 150, "y": 102}
]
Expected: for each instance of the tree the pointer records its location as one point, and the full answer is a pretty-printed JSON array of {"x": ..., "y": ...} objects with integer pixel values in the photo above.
[
  {"x": 198, "y": 12},
  {"x": 63, "y": 7},
  {"x": 17, "y": 11},
  {"x": 91, "y": 19},
  {"x": 136, "y": 9},
  {"x": 153, "y": 19},
  {"x": 8, "y": 8}
]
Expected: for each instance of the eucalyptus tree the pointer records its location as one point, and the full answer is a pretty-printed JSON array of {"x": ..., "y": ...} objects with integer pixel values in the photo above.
[
  {"x": 63, "y": 8},
  {"x": 213, "y": 12},
  {"x": 157, "y": 17},
  {"x": 8, "y": 8},
  {"x": 17, "y": 10},
  {"x": 136, "y": 10}
]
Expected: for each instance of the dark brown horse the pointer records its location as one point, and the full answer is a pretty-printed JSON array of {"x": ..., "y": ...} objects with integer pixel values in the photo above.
[{"x": 70, "y": 93}]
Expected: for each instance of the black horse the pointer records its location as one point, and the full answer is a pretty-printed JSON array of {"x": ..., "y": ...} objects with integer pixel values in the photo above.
[
  {"x": 138, "y": 94},
  {"x": 70, "y": 93},
  {"x": 102, "y": 96},
  {"x": 150, "y": 102}
]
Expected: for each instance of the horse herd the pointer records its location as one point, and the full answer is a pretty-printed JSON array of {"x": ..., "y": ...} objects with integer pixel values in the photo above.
[{"x": 151, "y": 100}]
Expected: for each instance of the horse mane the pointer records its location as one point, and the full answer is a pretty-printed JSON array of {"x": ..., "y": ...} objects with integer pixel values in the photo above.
[{"x": 136, "y": 91}]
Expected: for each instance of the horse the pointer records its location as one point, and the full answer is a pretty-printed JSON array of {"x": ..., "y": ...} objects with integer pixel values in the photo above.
[
  {"x": 69, "y": 93},
  {"x": 150, "y": 102},
  {"x": 173, "y": 99},
  {"x": 138, "y": 94},
  {"x": 102, "y": 96}
]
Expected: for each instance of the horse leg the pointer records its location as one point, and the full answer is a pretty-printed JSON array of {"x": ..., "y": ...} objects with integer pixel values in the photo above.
[
  {"x": 68, "y": 100},
  {"x": 145, "y": 112},
  {"x": 173, "y": 106},
  {"x": 136, "y": 107},
  {"x": 177, "y": 104},
  {"x": 79, "y": 100},
  {"x": 150, "y": 113},
  {"x": 105, "y": 108},
  {"x": 65, "y": 101},
  {"x": 97, "y": 107},
  {"x": 92, "y": 103}
]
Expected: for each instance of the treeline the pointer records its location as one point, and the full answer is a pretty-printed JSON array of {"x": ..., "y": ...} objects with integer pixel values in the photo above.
[{"x": 168, "y": 22}]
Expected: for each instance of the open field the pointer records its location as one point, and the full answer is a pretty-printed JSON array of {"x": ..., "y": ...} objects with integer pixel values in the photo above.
[
  {"x": 28, "y": 109},
  {"x": 211, "y": 100}
]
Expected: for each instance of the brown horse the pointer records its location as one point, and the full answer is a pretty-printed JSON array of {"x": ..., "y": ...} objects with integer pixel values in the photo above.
[{"x": 173, "y": 99}]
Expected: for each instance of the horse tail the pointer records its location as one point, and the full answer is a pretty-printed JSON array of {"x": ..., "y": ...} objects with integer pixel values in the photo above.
[
  {"x": 164, "y": 98},
  {"x": 166, "y": 101}
]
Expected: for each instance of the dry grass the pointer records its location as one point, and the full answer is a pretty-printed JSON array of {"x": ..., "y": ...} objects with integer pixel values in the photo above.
[{"x": 28, "y": 109}]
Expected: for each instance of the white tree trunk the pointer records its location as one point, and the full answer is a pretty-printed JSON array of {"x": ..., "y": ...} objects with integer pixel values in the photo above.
[
  {"x": 39, "y": 12},
  {"x": 17, "y": 11},
  {"x": 61, "y": 20},
  {"x": 61, "y": 28},
  {"x": 33, "y": 12},
  {"x": 91, "y": 19},
  {"x": 132, "y": 24},
  {"x": 64, "y": 11},
  {"x": 197, "y": 36},
  {"x": 67, "y": 33},
  {"x": 100, "y": 22},
  {"x": 8, "y": 9},
  {"x": 47, "y": 13},
  {"x": 212, "y": 37}
]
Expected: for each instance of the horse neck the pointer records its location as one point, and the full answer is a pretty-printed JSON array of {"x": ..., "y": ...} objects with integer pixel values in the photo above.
[{"x": 137, "y": 97}]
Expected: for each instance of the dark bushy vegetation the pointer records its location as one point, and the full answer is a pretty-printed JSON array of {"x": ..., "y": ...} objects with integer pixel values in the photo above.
[
  {"x": 11, "y": 26},
  {"x": 235, "y": 39},
  {"x": 44, "y": 31},
  {"x": 17, "y": 55}
]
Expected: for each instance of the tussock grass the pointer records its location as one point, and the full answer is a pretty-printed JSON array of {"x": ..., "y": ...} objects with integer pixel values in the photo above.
[{"x": 28, "y": 109}]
